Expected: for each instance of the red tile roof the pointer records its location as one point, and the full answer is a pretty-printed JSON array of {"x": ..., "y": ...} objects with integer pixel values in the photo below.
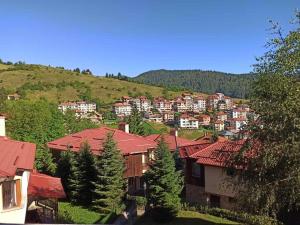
[
  {"x": 15, "y": 155},
  {"x": 217, "y": 153},
  {"x": 44, "y": 186},
  {"x": 187, "y": 151},
  {"x": 127, "y": 143},
  {"x": 171, "y": 140}
]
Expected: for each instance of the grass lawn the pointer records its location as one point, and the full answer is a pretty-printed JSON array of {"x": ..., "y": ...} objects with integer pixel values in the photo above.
[
  {"x": 68, "y": 213},
  {"x": 187, "y": 218},
  {"x": 192, "y": 134}
]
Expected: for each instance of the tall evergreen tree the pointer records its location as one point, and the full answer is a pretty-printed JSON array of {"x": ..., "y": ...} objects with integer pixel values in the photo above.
[
  {"x": 135, "y": 122},
  {"x": 83, "y": 176},
  {"x": 63, "y": 169},
  {"x": 164, "y": 184},
  {"x": 110, "y": 184},
  {"x": 44, "y": 161},
  {"x": 271, "y": 176}
]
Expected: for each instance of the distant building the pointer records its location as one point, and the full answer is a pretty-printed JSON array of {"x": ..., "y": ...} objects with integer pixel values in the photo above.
[
  {"x": 79, "y": 107},
  {"x": 168, "y": 116},
  {"x": 222, "y": 116},
  {"x": 238, "y": 113},
  {"x": 180, "y": 106},
  {"x": 188, "y": 122},
  {"x": 237, "y": 123},
  {"x": 212, "y": 101},
  {"x": 204, "y": 120},
  {"x": 199, "y": 104},
  {"x": 122, "y": 109},
  {"x": 219, "y": 125},
  {"x": 162, "y": 105},
  {"x": 157, "y": 118},
  {"x": 141, "y": 103}
]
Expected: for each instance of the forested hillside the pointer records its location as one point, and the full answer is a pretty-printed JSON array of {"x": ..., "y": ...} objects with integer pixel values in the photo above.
[{"x": 234, "y": 85}]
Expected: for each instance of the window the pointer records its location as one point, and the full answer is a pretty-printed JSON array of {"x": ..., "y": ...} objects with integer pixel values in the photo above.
[
  {"x": 11, "y": 193},
  {"x": 196, "y": 170}
]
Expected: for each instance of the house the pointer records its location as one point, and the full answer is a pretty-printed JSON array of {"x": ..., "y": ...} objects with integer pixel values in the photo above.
[
  {"x": 199, "y": 104},
  {"x": 237, "y": 123},
  {"x": 136, "y": 150},
  {"x": 188, "y": 101},
  {"x": 79, "y": 107},
  {"x": 162, "y": 105},
  {"x": 222, "y": 116},
  {"x": 14, "y": 96},
  {"x": 219, "y": 125},
  {"x": 142, "y": 104},
  {"x": 228, "y": 102},
  {"x": 122, "y": 109},
  {"x": 180, "y": 106},
  {"x": 24, "y": 197},
  {"x": 204, "y": 120},
  {"x": 221, "y": 105},
  {"x": 188, "y": 122},
  {"x": 126, "y": 99},
  {"x": 168, "y": 116},
  {"x": 156, "y": 118},
  {"x": 238, "y": 113},
  {"x": 212, "y": 101},
  {"x": 206, "y": 178}
]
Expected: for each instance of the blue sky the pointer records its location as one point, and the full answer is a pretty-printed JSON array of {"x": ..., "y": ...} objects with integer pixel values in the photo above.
[{"x": 133, "y": 36}]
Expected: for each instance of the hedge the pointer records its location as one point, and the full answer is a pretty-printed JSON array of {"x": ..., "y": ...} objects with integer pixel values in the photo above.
[{"x": 237, "y": 216}]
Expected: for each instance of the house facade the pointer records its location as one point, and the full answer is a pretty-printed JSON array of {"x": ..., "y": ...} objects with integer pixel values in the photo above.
[
  {"x": 206, "y": 178},
  {"x": 18, "y": 192},
  {"x": 188, "y": 122},
  {"x": 122, "y": 109}
]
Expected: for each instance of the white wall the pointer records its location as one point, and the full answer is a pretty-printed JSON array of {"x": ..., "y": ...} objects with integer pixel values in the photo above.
[
  {"x": 16, "y": 215},
  {"x": 215, "y": 181}
]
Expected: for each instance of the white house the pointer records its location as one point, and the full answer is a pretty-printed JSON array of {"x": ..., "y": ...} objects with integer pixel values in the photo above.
[
  {"x": 188, "y": 122},
  {"x": 122, "y": 109},
  {"x": 80, "y": 107}
]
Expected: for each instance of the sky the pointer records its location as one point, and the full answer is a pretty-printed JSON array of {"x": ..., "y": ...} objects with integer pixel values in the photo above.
[{"x": 134, "y": 36}]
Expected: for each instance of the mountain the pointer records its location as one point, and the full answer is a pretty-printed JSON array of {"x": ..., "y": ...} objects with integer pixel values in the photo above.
[
  {"x": 234, "y": 85},
  {"x": 58, "y": 84}
]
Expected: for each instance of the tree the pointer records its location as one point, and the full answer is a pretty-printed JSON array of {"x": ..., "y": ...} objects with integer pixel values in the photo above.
[
  {"x": 110, "y": 184},
  {"x": 63, "y": 169},
  {"x": 135, "y": 122},
  {"x": 271, "y": 175},
  {"x": 44, "y": 162},
  {"x": 164, "y": 184},
  {"x": 83, "y": 176},
  {"x": 73, "y": 124},
  {"x": 34, "y": 121}
]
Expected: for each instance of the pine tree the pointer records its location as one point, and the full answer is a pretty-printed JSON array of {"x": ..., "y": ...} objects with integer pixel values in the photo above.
[
  {"x": 110, "y": 184},
  {"x": 44, "y": 161},
  {"x": 83, "y": 176},
  {"x": 135, "y": 122},
  {"x": 164, "y": 184},
  {"x": 63, "y": 169}
]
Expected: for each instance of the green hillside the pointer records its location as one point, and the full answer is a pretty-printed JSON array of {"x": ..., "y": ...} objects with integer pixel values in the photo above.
[
  {"x": 58, "y": 84},
  {"x": 234, "y": 85}
]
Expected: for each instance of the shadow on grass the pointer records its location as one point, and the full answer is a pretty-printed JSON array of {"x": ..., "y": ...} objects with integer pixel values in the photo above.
[{"x": 177, "y": 221}]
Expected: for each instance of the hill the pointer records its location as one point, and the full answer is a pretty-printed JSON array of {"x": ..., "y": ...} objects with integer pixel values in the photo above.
[
  {"x": 57, "y": 84},
  {"x": 234, "y": 85}
]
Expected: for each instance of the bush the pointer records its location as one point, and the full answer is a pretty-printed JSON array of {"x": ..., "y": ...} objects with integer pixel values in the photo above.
[{"x": 237, "y": 216}]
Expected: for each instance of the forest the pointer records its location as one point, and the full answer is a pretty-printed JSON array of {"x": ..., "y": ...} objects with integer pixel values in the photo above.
[{"x": 233, "y": 85}]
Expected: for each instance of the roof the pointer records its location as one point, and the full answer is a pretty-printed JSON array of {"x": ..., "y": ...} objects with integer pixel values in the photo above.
[
  {"x": 217, "y": 153},
  {"x": 187, "y": 151},
  {"x": 16, "y": 155},
  {"x": 121, "y": 104},
  {"x": 172, "y": 141},
  {"x": 127, "y": 143},
  {"x": 44, "y": 186}
]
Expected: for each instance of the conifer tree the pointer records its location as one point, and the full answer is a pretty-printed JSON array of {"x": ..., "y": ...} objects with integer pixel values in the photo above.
[
  {"x": 135, "y": 122},
  {"x": 164, "y": 184},
  {"x": 83, "y": 176},
  {"x": 110, "y": 184},
  {"x": 63, "y": 169},
  {"x": 44, "y": 161}
]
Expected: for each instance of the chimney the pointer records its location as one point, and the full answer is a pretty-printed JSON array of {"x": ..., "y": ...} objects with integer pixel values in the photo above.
[
  {"x": 124, "y": 127},
  {"x": 2, "y": 126},
  {"x": 174, "y": 132}
]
